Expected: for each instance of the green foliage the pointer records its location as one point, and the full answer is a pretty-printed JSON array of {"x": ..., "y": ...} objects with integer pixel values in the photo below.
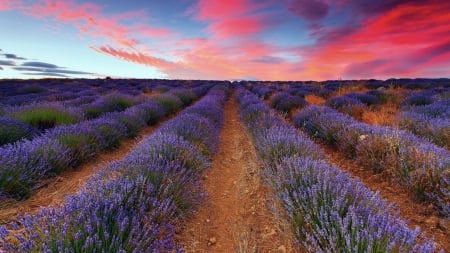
[{"x": 45, "y": 117}]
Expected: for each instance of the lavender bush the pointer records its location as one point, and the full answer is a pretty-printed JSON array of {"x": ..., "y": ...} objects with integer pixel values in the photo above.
[
  {"x": 77, "y": 143},
  {"x": 328, "y": 210},
  {"x": 25, "y": 162},
  {"x": 46, "y": 115},
  {"x": 414, "y": 162},
  {"x": 132, "y": 206},
  {"x": 429, "y": 121},
  {"x": 12, "y": 130}
]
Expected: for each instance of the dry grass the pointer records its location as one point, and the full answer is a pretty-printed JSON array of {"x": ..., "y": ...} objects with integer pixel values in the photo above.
[
  {"x": 382, "y": 116},
  {"x": 314, "y": 100}
]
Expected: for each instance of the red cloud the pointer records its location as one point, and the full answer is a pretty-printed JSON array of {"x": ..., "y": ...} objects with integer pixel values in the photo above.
[
  {"x": 384, "y": 39},
  {"x": 403, "y": 41},
  {"x": 233, "y": 18}
]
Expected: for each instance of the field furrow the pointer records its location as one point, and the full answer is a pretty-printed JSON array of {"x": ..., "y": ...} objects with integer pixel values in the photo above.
[{"x": 235, "y": 216}]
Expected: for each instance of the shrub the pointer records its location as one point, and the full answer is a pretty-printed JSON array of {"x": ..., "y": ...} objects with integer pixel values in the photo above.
[
  {"x": 329, "y": 211},
  {"x": 117, "y": 102},
  {"x": 150, "y": 112},
  {"x": 114, "y": 102},
  {"x": 367, "y": 99},
  {"x": 32, "y": 89},
  {"x": 12, "y": 130},
  {"x": 25, "y": 162},
  {"x": 342, "y": 102},
  {"x": 45, "y": 116},
  {"x": 131, "y": 122},
  {"x": 200, "y": 132},
  {"x": 108, "y": 132},
  {"x": 170, "y": 102},
  {"x": 81, "y": 142},
  {"x": 132, "y": 206},
  {"x": 415, "y": 100},
  {"x": 186, "y": 96},
  {"x": 332, "y": 212}
]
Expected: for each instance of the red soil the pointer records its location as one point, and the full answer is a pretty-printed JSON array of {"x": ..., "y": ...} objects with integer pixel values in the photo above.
[{"x": 235, "y": 217}]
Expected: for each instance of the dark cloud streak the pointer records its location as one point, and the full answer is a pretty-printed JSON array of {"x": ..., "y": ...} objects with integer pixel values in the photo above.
[
  {"x": 269, "y": 60},
  {"x": 40, "y": 65},
  {"x": 7, "y": 63},
  {"x": 13, "y": 56},
  {"x": 45, "y": 74}
]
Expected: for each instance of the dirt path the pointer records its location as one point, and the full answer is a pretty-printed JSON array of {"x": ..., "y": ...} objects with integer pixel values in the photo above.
[
  {"x": 53, "y": 191},
  {"x": 416, "y": 214},
  {"x": 235, "y": 217}
]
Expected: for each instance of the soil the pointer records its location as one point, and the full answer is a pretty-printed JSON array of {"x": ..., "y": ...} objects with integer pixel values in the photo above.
[
  {"x": 53, "y": 191},
  {"x": 235, "y": 216}
]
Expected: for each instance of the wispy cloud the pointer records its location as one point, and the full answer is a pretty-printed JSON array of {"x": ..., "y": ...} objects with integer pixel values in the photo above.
[
  {"x": 7, "y": 63},
  {"x": 40, "y": 65},
  {"x": 38, "y": 68},
  {"x": 239, "y": 38},
  {"x": 90, "y": 19},
  {"x": 13, "y": 56}
]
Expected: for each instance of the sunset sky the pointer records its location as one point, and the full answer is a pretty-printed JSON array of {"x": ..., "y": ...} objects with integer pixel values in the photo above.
[{"x": 225, "y": 39}]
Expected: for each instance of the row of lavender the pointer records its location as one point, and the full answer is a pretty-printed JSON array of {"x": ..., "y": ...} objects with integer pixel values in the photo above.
[
  {"x": 329, "y": 211},
  {"x": 133, "y": 205},
  {"x": 327, "y": 88},
  {"x": 420, "y": 165},
  {"x": 32, "y": 119},
  {"x": 425, "y": 113},
  {"x": 19, "y": 92},
  {"x": 429, "y": 120},
  {"x": 26, "y": 162}
]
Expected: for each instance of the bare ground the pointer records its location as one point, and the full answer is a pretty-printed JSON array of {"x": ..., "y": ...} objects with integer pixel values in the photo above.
[
  {"x": 53, "y": 191},
  {"x": 235, "y": 217}
]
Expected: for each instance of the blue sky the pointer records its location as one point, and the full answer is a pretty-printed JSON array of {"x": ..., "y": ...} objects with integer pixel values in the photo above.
[{"x": 234, "y": 39}]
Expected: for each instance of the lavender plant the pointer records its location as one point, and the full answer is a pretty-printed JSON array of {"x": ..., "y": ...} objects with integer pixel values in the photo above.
[
  {"x": 328, "y": 210},
  {"x": 132, "y": 206},
  {"x": 45, "y": 115},
  {"x": 12, "y": 130},
  {"x": 383, "y": 149}
]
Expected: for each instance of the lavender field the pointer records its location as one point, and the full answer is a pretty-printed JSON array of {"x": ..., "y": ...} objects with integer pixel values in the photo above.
[{"x": 338, "y": 166}]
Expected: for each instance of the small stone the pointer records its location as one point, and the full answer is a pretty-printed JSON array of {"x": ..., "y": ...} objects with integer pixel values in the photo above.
[
  {"x": 389, "y": 189},
  {"x": 208, "y": 220},
  {"x": 444, "y": 224},
  {"x": 282, "y": 249},
  {"x": 271, "y": 232},
  {"x": 212, "y": 241},
  {"x": 433, "y": 221}
]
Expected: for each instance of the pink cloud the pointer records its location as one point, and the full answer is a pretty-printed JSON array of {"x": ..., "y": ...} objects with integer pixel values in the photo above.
[
  {"x": 403, "y": 40},
  {"x": 90, "y": 19},
  {"x": 219, "y": 9},
  {"x": 135, "y": 57},
  {"x": 233, "y": 18},
  {"x": 6, "y": 5},
  {"x": 237, "y": 27},
  {"x": 383, "y": 39}
]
